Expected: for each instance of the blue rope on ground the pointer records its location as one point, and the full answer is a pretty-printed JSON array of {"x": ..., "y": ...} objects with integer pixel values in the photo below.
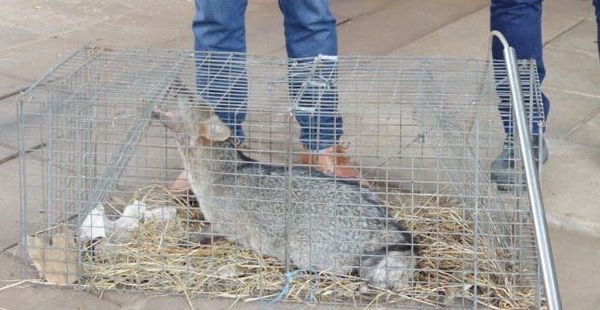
[
  {"x": 313, "y": 289},
  {"x": 289, "y": 276}
]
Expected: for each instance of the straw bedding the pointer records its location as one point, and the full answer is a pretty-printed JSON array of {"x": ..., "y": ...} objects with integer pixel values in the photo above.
[{"x": 159, "y": 258}]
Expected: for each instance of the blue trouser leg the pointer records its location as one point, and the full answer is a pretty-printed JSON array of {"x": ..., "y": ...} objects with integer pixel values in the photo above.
[
  {"x": 597, "y": 5},
  {"x": 221, "y": 78},
  {"x": 521, "y": 23},
  {"x": 310, "y": 31}
]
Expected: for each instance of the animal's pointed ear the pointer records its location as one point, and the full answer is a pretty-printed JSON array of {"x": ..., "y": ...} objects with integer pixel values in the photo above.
[
  {"x": 194, "y": 110},
  {"x": 214, "y": 129}
]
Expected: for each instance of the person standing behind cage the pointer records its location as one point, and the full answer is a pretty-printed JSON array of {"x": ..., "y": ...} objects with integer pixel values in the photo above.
[
  {"x": 521, "y": 23},
  {"x": 311, "y": 44}
]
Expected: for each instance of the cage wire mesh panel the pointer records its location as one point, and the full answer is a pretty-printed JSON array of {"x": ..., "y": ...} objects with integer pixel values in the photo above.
[{"x": 424, "y": 228}]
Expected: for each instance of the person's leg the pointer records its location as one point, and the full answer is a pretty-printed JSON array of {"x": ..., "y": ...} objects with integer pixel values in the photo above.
[
  {"x": 311, "y": 43},
  {"x": 597, "y": 5},
  {"x": 520, "y": 21},
  {"x": 221, "y": 79},
  {"x": 310, "y": 31}
]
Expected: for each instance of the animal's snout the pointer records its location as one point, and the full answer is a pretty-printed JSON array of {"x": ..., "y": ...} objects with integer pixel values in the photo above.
[{"x": 172, "y": 120}]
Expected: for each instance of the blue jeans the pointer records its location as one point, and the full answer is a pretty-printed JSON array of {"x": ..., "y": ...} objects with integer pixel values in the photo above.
[
  {"x": 310, "y": 30},
  {"x": 521, "y": 23}
]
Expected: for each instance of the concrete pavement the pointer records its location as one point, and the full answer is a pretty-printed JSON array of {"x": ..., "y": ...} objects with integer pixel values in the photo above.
[{"x": 37, "y": 33}]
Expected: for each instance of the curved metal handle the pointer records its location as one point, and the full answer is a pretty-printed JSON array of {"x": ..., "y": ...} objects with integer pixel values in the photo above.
[{"x": 533, "y": 184}]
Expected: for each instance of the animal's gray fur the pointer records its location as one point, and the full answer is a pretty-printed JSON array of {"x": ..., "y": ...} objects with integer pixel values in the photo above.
[{"x": 333, "y": 225}]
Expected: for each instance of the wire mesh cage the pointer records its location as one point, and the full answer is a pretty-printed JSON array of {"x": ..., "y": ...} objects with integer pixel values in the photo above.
[{"x": 423, "y": 224}]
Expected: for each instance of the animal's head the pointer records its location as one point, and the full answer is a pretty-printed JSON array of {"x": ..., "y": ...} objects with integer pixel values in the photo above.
[{"x": 194, "y": 123}]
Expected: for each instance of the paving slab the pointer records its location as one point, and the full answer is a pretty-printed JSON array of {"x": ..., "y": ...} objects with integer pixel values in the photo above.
[
  {"x": 32, "y": 297},
  {"x": 8, "y": 115},
  {"x": 570, "y": 182},
  {"x": 581, "y": 38},
  {"x": 53, "y": 17},
  {"x": 571, "y": 71},
  {"x": 568, "y": 112},
  {"x": 168, "y": 10},
  {"x": 555, "y": 23},
  {"x": 13, "y": 35},
  {"x": 181, "y": 42},
  {"x": 560, "y": 16},
  {"x": 9, "y": 84},
  {"x": 10, "y": 200},
  {"x": 132, "y": 30},
  {"x": 32, "y": 61},
  {"x": 401, "y": 23},
  {"x": 574, "y": 8},
  {"x": 6, "y": 152},
  {"x": 578, "y": 268},
  {"x": 468, "y": 37},
  {"x": 348, "y": 9},
  {"x": 9, "y": 140},
  {"x": 10, "y": 267},
  {"x": 587, "y": 134},
  {"x": 264, "y": 29},
  {"x": 8, "y": 125},
  {"x": 139, "y": 301},
  {"x": 464, "y": 38}
]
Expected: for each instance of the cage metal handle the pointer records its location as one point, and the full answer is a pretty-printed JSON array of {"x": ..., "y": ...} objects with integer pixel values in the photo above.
[{"x": 533, "y": 184}]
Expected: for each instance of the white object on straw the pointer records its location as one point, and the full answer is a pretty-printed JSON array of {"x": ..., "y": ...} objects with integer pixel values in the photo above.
[
  {"x": 93, "y": 225},
  {"x": 97, "y": 225}
]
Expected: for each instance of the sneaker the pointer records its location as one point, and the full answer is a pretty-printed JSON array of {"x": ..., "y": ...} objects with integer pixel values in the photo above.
[
  {"x": 503, "y": 168},
  {"x": 333, "y": 161}
]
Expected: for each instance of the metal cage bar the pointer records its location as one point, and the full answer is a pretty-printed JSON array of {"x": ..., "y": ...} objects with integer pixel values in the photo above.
[
  {"x": 533, "y": 184},
  {"x": 268, "y": 224}
]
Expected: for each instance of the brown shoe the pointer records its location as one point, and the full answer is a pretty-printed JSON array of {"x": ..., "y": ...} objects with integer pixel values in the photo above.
[{"x": 333, "y": 161}]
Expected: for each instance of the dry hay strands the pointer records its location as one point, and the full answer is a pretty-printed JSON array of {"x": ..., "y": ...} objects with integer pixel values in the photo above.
[
  {"x": 448, "y": 260},
  {"x": 153, "y": 260}
]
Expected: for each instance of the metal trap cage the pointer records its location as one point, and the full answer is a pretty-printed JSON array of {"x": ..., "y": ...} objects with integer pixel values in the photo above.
[{"x": 106, "y": 133}]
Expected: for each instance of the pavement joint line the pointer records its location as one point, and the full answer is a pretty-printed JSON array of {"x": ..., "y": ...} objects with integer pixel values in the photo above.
[
  {"x": 583, "y": 122},
  {"x": 83, "y": 26},
  {"x": 343, "y": 21},
  {"x": 14, "y": 93},
  {"x": 572, "y": 50},
  {"x": 447, "y": 24},
  {"x": 5, "y": 145},
  {"x": 369, "y": 12},
  {"x": 574, "y": 224},
  {"x": 450, "y": 24},
  {"x": 572, "y": 92},
  {"x": 16, "y": 77},
  {"x": 17, "y": 154},
  {"x": 565, "y": 32},
  {"x": 8, "y": 247}
]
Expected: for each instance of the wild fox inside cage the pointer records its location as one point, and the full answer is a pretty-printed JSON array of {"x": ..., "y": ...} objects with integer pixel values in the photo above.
[{"x": 370, "y": 180}]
